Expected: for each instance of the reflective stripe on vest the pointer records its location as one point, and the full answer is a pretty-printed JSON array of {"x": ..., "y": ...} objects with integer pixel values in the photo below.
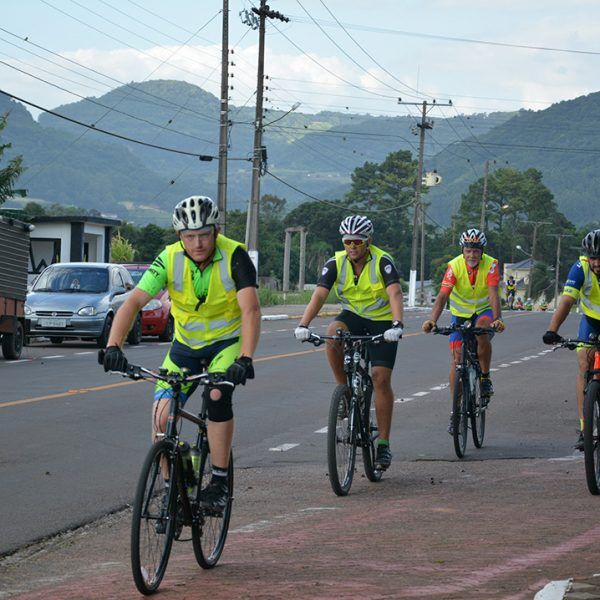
[
  {"x": 590, "y": 292},
  {"x": 471, "y": 299}
]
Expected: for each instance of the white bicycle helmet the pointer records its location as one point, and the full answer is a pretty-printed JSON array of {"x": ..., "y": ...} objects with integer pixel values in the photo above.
[
  {"x": 356, "y": 225},
  {"x": 591, "y": 244},
  {"x": 195, "y": 212},
  {"x": 472, "y": 238}
]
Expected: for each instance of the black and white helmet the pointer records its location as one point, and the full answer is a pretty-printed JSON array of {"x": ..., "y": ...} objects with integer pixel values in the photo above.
[
  {"x": 195, "y": 212},
  {"x": 472, "y": 238},
  {"x": 591, "y": 244},
  {"x": 356, "y": 225}
]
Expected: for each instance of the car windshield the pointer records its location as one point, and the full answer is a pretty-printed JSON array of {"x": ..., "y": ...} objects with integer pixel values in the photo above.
[
  {"x": 136, "y": 273},
  {"x": 72, "y": 280}
]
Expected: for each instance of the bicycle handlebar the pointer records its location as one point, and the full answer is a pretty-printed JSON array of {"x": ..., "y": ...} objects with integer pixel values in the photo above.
[
  {"x": 463, "y": 329},
  {"x": 343, "y": 336},
  {"x": 573, "y": 344},
  {"x": 137, "y": 372}
]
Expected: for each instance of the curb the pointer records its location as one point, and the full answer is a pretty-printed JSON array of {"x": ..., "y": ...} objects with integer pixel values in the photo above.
[{"x": 281, "y": 317}]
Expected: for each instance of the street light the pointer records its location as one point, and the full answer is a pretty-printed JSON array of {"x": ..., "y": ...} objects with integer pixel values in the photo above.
[{"x": 519, "y": 247}]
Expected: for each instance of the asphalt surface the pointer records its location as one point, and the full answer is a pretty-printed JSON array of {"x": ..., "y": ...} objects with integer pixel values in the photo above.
[{"x": 502, "y": 523}]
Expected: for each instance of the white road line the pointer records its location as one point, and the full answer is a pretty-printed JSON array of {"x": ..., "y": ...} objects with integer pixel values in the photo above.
[
  {"x": 280, "y": 330},
  {"x": 503, "y": 366},
  {"x": 575, "y": 457},
  {"x": 88, "y": 352},
  {"x": 436, "y": 388},
  {"x": 516, "y": 362},
  {"x": 420, "y": 393},
  {"x": 493, "y": 369},
  {"x": 54, "y": 356},
  {"x": 14, "y": 362},
  {"x": 283, "y": 447},
  {"x": 322, "y": 430},
  {"x": 400, "y": 400}
]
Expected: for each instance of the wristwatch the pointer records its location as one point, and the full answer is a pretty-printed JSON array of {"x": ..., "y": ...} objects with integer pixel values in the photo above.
[{"x": 398, "y": 324}]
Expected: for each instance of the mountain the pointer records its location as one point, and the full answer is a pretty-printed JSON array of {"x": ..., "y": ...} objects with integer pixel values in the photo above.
[{"x": 315, "y": 153}]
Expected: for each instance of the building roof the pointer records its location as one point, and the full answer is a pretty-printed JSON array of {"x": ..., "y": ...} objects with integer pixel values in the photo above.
[{"x": 78, "y": 219}]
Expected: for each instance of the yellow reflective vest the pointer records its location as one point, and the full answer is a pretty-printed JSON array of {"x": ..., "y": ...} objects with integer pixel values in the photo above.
[
  {"x": 219, "y": 316},
  {"x": 466, "y": 299},
  {"x": 589, "y": 296},
  {"x": 368, "y": 297}
]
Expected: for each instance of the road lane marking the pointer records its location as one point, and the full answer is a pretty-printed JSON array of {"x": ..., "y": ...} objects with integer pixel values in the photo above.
[
  {"x": 87, "y": 352},
  {"x": 16, "y": 362},
  {"x": 322, "y": 430},
  {"x": 53, "y": 356},
  {"x": 68, "y": 393},
  {"x": 420, "y": 393},
  {"x": 400, "y": 400},
  {"x": 283, "y": 447},
  {"x": 516, "y": 362}
]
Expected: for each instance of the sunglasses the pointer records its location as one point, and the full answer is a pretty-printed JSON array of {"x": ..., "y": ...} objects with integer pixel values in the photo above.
[{"x": 353, "y": 243}]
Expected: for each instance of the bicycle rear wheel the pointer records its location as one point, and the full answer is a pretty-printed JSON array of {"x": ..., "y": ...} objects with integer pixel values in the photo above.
[
  {"x": 459, "y": 416},
  {"x": 341, "y": 441},
  {"x": 477, "y": 410},
  {"x": 209, "y": 530},
  {"x": 591, "y": 431},
  {"x": 153, "y": 519},
  {"x": 371, "y": 433}
]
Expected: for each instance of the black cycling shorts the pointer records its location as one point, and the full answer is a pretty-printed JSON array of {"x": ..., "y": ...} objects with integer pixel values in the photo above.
[{"x": 382, "y": 355}]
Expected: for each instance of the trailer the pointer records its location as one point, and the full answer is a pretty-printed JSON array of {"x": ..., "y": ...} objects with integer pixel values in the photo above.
[{"x": 14, "y": 259}]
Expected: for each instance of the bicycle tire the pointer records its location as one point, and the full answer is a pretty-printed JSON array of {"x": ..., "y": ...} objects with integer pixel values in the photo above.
[
  {"x": 209, "y": 529},
  {"x": 459, "y": 416},
  {"x": 151, "y": 547},
  {"x": 477, "y": 412},
  {"x": 341, "y": 441},
  {"x": 368, "y": 446},
  {"x": 591, "y": 432}
]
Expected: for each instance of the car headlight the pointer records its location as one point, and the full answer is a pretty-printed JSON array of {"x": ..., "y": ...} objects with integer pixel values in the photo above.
[
  {"x": 87, "y": 311},
  {"x": 27, "y": 310},
  {"x": 154, "y": 304}
]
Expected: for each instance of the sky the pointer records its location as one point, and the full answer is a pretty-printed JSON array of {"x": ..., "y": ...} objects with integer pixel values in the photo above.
[{"x": 341, "y": 55}]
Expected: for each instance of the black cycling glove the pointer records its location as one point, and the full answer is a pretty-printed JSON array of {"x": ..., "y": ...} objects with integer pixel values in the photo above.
[
  {"x": 551, "y": 337},
  {"x": 240, "y": 370},
  {"x": 113, "y": 359}
]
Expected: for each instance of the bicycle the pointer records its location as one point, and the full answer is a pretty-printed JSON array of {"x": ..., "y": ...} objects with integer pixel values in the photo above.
[
  {"x": 591, "y": 414},
  {"x": 168, "y": 491},
  {"x": 468, "y": 406},
  {"x": 350, "y": 424}
]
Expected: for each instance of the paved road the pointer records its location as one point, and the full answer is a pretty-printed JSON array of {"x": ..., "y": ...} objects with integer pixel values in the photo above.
[{"x": 70, "y": 458}]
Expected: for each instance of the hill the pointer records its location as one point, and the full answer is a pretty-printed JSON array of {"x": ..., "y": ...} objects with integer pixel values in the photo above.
[{"x": 315, "y": 153}]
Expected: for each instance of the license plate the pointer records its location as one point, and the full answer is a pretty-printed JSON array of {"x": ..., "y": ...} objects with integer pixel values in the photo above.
[{"x": 53, "y": 323}]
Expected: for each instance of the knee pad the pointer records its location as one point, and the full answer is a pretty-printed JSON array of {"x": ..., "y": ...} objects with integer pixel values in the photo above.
[{"x": 219, "y": 410}]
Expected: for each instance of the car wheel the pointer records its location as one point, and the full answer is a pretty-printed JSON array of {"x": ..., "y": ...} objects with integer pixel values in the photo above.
[
  {"x": 102, "y": 340},
  {"x": 167, "y": 334},
  {"x": 135, "y": 335}
]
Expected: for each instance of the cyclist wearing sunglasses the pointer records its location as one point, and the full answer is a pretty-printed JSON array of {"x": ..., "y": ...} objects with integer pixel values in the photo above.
[
  {"x": 470, "y": 284},
  {"x": 368, "y": 286},
  {"x": 583, "y": 284}
]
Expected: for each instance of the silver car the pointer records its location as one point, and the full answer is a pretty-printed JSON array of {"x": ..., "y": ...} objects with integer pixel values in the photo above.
[{"x": 79, "y": 300}]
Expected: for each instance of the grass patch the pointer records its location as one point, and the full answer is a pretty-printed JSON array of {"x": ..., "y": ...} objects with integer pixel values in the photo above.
[{"x": 273, "y": 297}]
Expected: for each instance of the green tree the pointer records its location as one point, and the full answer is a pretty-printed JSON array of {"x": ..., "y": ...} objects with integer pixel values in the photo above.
[{"x": 10, "y": 173}]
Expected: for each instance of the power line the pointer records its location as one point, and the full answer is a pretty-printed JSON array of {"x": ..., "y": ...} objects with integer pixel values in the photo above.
[{"x": 203, "y": 157}]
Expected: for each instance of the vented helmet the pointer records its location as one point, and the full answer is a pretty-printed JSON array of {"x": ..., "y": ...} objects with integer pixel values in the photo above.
[
  {"x": 356, "y": 225},
  {"x": 195, "y": 212},
  {"x": 591, "y": 244},
  {"x": 472, "y": 238}
]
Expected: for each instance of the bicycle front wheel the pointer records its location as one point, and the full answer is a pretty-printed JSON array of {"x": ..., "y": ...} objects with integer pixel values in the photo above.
[
  {"x": 209, "y": 530},
  {"x": 591, "y": 431},
  {"x": 341, "y": 441},
  {"x": 477, "y": 412},
  {"x": 459, "y": 416},
  {"x": 153, "y": 519},
  {"x": 371, "y": 434}
]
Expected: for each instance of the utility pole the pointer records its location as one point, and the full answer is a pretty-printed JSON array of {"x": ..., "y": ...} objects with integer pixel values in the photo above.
[
  {"x": 485, "y": 192},
  {"x": 536, "y": 225},
  {"x": 259, "y": 154},
  {"x": 223, "y": 120},
  {"x": 558, "y": 237},
  {"x": 419, "y": 214}
]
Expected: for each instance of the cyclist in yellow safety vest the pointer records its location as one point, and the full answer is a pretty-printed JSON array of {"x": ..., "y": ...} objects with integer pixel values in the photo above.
[
  {"x": 582, "y": 284},
  {"x": 470, "y": 284},
  {"x": 212, "y": 284},
  {"x": 511, "y": 288},
  {"x": 367, "y": 285}
]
